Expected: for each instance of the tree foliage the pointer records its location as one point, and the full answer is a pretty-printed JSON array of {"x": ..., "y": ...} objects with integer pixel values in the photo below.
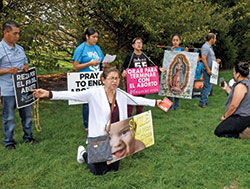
[{"x": 52, "y": 29}]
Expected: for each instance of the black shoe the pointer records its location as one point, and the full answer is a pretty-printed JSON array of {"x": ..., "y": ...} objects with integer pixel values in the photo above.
[
  {"x": 203, "y": 105},
  {"x": 10, "y": 147},
  {"x": 32, "y": 141}
]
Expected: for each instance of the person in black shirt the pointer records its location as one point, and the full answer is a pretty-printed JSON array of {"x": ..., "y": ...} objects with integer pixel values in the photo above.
[{"x": 137, "y": 59}]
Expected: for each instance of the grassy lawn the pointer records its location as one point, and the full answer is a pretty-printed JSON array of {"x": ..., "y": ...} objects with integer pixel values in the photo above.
[
  {"x": 186, "y": 153},
  {"x": 64, "y": 67}
]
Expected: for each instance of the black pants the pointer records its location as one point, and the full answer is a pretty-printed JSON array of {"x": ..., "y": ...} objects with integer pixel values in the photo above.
[
  {"x": 101, "y": 168},
  {"x": 232, "y": 126}
]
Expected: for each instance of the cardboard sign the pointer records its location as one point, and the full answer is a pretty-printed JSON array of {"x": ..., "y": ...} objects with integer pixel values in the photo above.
[
  {"x": 165, "y": 104},
  {"x": 143, "y": 80},
  {"x": 24, "y": 82},
  {"x": 131, "y": 135},
  {"x": 178, "y": 80},
  {"x": 79, "y": 81},
  {"x": 215, "y": 73}
]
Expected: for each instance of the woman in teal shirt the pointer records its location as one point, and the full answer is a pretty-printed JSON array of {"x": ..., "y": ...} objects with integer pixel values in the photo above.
[{"x": 88, "y": 58}]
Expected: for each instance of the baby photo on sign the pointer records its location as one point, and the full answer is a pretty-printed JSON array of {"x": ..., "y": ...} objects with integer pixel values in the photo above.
[
  {"x": 178, "y": 80},
  {"x": 131, "y": 135}
]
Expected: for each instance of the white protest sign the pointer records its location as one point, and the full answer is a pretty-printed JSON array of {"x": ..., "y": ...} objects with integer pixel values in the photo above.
[
  {"x": 215, "y": 73},
  {"x": 79, "y": 81}
]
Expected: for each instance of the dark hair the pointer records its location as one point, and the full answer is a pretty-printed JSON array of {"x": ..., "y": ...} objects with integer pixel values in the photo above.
[
  {"x": 177, "y": 36},
  {"x": 242, "y": 68},
  {"x": 210, "y": 36},
  {"x": 135, "y": 39},
  {"x": 107, "y": 70},
  {"x": 181, "y": 58},
  {"x": 89, "y": 32},
  {"x": 9, "y": 24}
]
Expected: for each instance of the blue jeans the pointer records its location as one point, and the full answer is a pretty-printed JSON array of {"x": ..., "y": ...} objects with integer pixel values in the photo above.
[
  {"x": 85, "y": 115},
  {"x": 9, "y": 123},
  {"x": 206, "y": 88},
  {"x": 175, "y": 101}
]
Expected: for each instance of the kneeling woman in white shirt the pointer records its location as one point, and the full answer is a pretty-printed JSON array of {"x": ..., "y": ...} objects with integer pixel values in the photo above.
[{"x": 99, "y": 100}]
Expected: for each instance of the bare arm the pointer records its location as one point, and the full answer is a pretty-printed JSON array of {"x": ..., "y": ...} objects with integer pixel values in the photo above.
[
  {"x": 78, "y": 66},
  {"x": 239, "y": 93},
  {"x": 12, "y": 70},
  {"x": 204, "y": 60},
  {"x": 226, "y": 88}
]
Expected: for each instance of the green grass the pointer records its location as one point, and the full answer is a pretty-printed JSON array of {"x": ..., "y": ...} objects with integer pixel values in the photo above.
[
  {"x": 64, "y": 67},
  {"x": 186, "y": 153}
]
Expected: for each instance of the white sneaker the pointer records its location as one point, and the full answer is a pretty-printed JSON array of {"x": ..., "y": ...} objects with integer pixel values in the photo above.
[{"x": 81, "y": 150}]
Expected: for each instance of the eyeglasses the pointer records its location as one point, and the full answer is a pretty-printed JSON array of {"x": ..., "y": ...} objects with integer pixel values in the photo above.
[
  {"x": 138, "y": 43},
  {"x": 113, "y": 78}
]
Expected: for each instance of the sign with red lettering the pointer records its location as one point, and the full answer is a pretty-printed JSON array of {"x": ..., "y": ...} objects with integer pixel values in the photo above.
[{"x": 143, "y": 80}]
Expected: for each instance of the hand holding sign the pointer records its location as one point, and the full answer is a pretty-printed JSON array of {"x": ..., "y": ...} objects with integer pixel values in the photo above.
[
  {"x": 13, "y": 70},
  {"x": 25, "y": 67}
]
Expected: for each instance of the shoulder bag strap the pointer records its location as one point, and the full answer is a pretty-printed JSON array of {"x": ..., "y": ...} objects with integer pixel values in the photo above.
[
  {"x": 130, "y": 59},
  {"x": 111, "y": 111},
  {"x": 149, "y": 59}
]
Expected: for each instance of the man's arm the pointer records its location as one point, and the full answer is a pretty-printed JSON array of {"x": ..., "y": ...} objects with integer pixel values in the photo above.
[
  {"x": 204, "y": 60},
  {"x": 12, "y": 70},
  {"x": 25, "y": 67}
]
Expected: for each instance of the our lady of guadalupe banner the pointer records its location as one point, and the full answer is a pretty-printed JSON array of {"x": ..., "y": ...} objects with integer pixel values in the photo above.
[
  {"x": 131, "y": 135},
  {"x": 143, "y": 80},
  {"x": 79, "y": 81},
  {"x": 178, "y": 80},
  {"x": 24, "y": 82}
]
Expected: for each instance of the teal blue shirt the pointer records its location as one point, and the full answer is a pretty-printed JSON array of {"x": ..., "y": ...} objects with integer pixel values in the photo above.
[
  {"x": 16, "y": 58},
  {"x": 85, "y": 53}
]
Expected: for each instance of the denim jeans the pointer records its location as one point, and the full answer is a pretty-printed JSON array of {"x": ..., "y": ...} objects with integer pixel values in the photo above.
[
  {"x": 206, "y": 88},
  {"x": 9, "y": 123},
  {"x": 175, "y": 101},
  {"x": 85, "y": 115}
]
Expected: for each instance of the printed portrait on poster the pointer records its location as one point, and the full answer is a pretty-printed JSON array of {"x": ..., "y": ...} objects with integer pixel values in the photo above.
[
  {"x": 178, "y": 80},
  {"x": 131, "y": 135}
]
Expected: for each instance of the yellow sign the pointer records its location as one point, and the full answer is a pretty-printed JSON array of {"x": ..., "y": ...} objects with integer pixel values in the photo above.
[{"x": 131, "y": 135}]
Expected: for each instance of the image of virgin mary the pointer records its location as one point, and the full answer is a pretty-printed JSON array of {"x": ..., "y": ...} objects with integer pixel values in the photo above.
[{"x": 178, "y": 76}]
